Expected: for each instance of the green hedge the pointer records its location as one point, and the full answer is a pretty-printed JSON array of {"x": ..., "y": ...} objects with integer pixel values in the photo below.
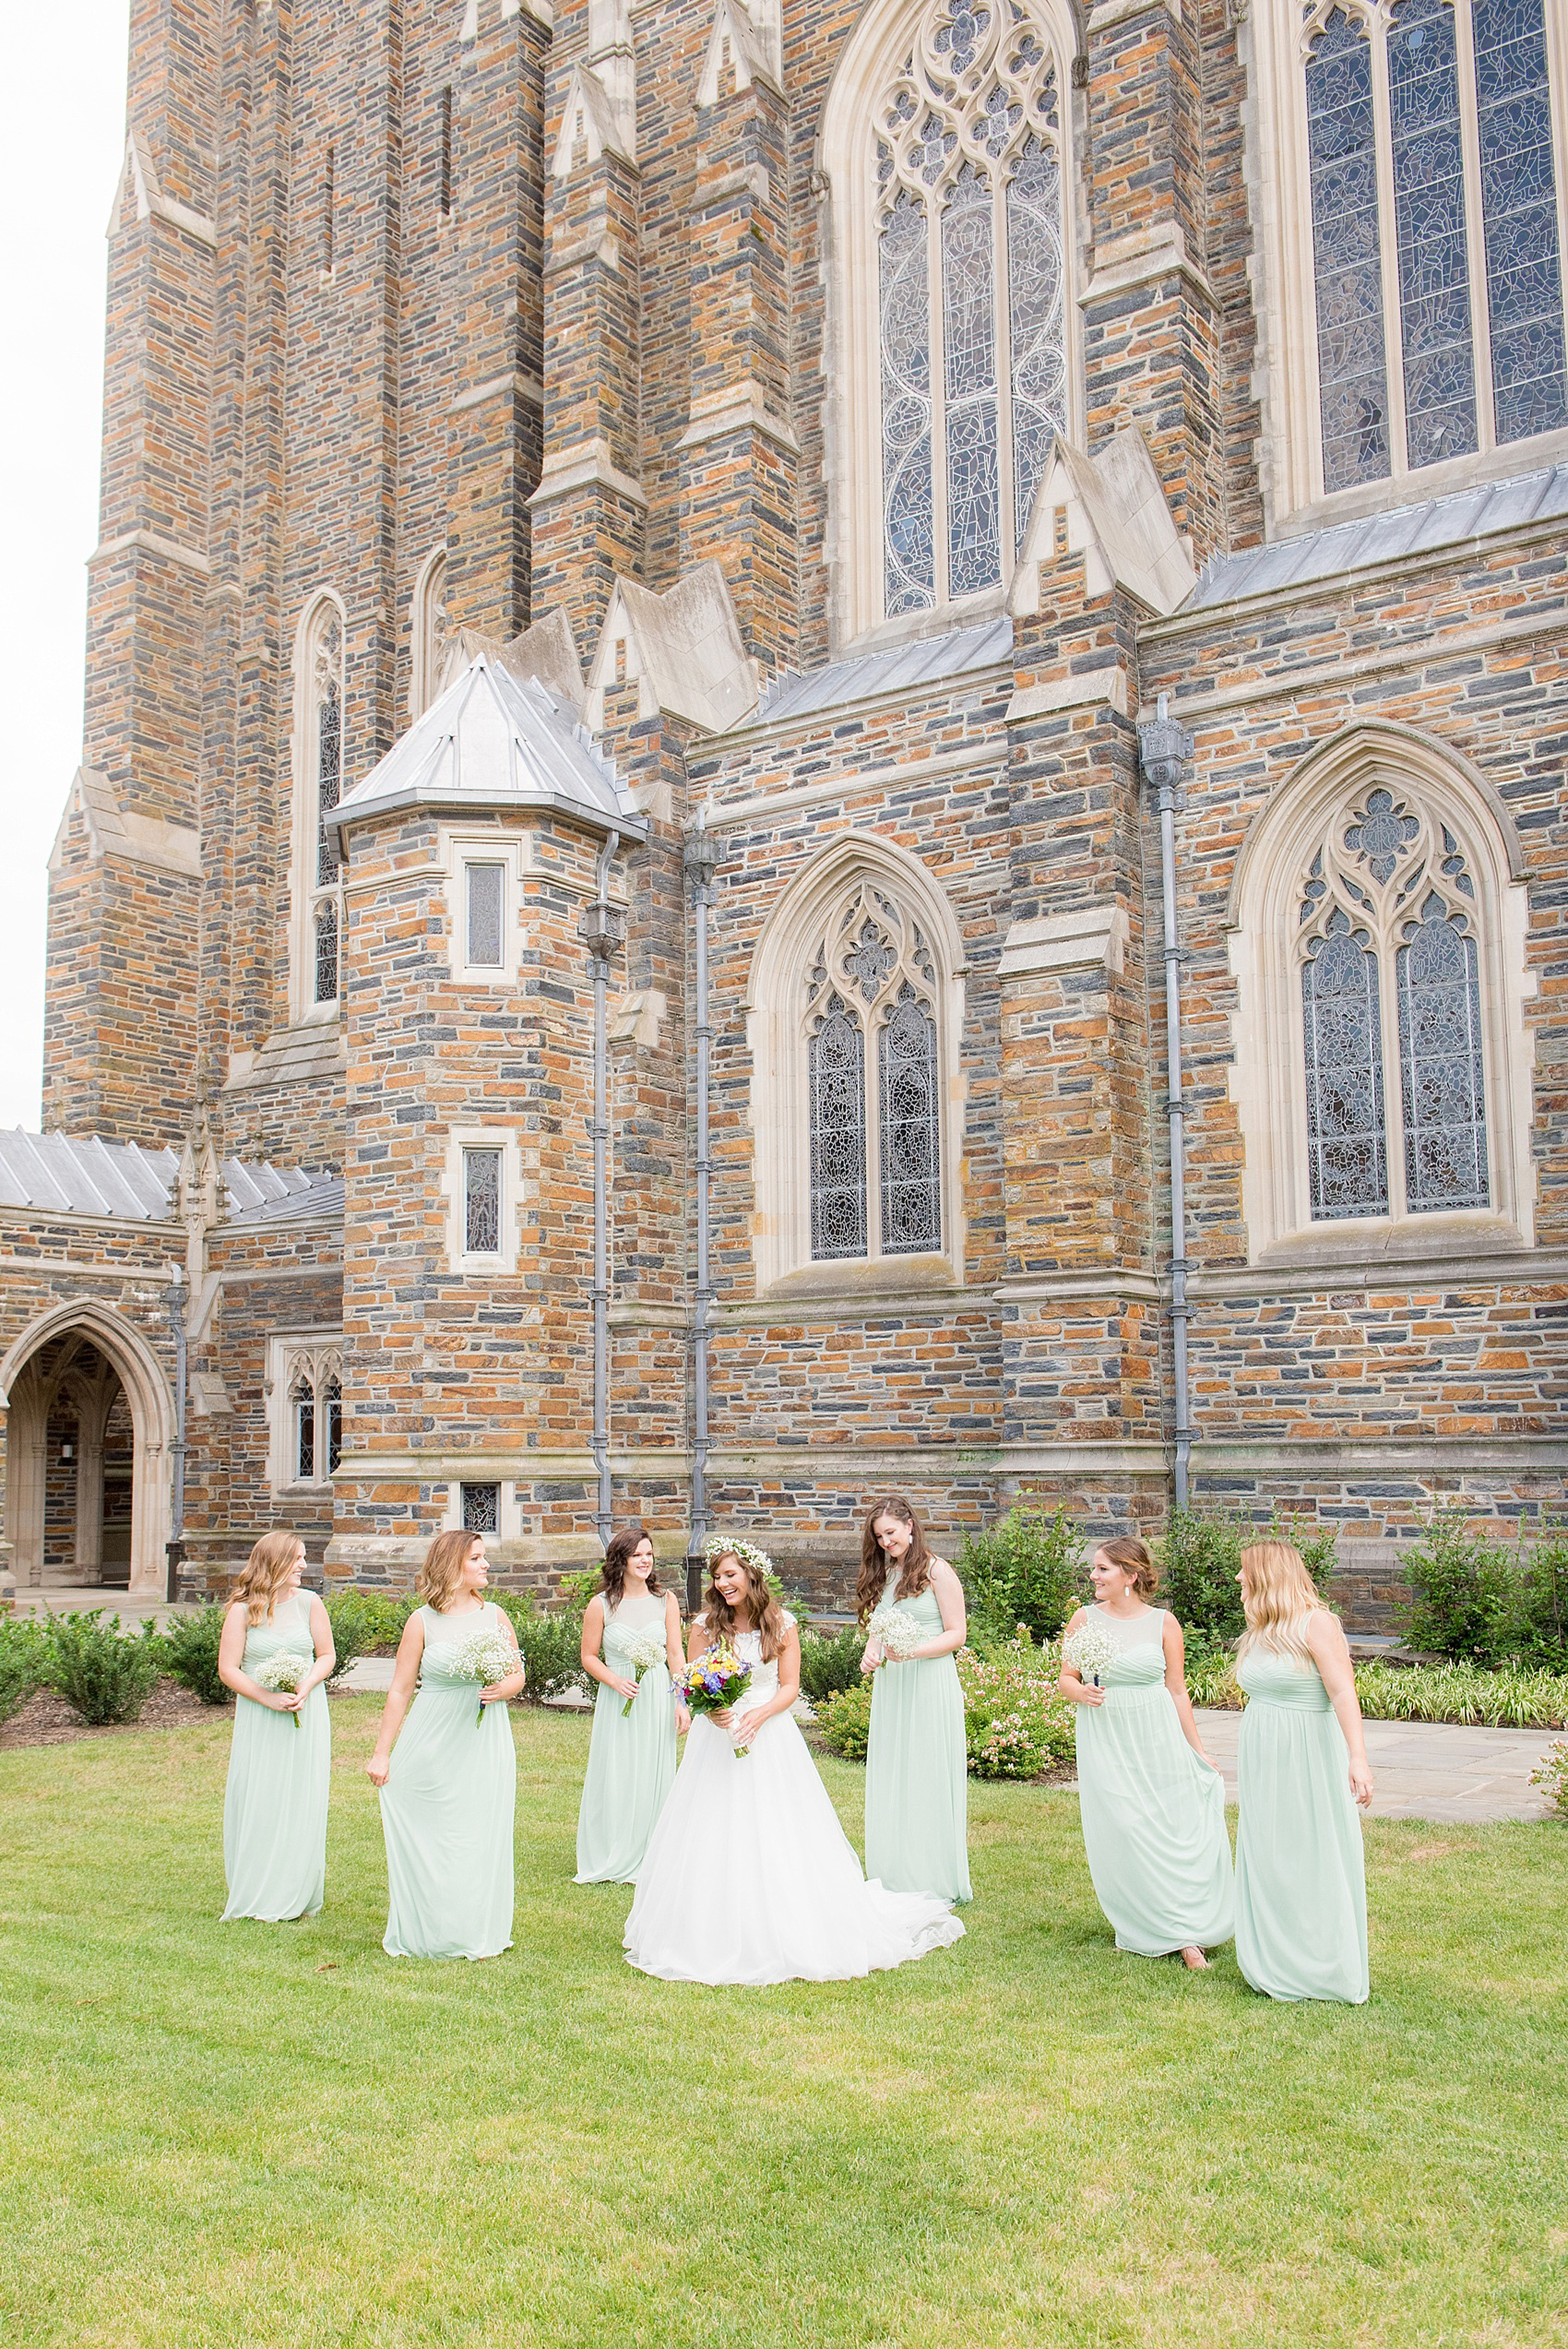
[
  {"x": 24, "y": 1662},
  {"x": 1024, "y": 1569},
  {"x": 107, "y": 1673},
  {"x": 1476, "y": 1599}
]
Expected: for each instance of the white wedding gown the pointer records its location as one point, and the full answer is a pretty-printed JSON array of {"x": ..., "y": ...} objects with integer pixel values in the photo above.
[{"x": 749, "y": 1877}]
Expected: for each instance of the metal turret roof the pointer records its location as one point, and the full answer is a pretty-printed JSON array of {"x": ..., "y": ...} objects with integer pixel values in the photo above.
[{"x": 83, "y": 1175}]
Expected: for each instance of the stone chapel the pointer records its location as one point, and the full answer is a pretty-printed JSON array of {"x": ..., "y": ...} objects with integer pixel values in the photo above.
[{"x": 823, "y": 750}]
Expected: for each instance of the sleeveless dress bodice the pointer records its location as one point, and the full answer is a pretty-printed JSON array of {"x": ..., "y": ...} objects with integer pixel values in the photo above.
[
  {"x": 287, "y": 1627},
  {"x": 1140, "y": 1640},
  {"x": 633, "y": 1617},
  {"x": 1271, "y": 1679},
  {"x": 442, "y": 1635}
]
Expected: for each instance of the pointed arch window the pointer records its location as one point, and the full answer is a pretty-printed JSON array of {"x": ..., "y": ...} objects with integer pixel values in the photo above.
[
  {"x": 305, "y": 1383},
  {"x": 319, "y": 746},
  {"x": 427, "y": 632},
  {"x": 970, "y": 293},
  {"x": 1435, "y": 226}
]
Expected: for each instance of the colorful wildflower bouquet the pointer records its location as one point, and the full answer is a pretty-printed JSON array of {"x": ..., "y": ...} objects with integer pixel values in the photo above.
[
  {"x": 282, "y": 1675},
  {"x": 483, "y": 1657},
  {"x": 645, "y": 1651},
  {"x": 714, "y": 1681}
]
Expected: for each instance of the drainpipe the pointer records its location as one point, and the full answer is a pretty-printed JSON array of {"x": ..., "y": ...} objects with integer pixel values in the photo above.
[
  {"x": 1164, "y": 748},
  {"x": 603, "y": 933},
  {"x": 701, "y": 862},
  {"x": 174, "y": 1548}
]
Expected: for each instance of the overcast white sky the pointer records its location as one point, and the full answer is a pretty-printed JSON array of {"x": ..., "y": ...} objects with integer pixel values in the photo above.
[{"x": 59, "y": 163}]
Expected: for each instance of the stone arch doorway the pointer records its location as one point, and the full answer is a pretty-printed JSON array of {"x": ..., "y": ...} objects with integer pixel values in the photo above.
[{"x": 87, "y": 1436}]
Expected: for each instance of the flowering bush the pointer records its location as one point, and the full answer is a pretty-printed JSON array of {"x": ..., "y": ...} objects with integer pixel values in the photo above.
[
  {"x": 1553, "y": 1774},
  {"x": 1015, "y": 1723}
]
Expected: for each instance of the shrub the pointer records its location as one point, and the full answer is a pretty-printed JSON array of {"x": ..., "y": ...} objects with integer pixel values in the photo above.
[
  {"x": 24, "y": 1657},
  {"x": 1022, "y": 1569},
  {"x": 844, "y": 1719},
  {"x": 190, "y": 1654},
  {"x": 1466, "y": 1693},
  {"x": 1015, "y": 1723},
  {"x": 829, "y": 1666},
  {"x": 550, "y": 1645},
  {"x": 364, "y": 1623},
  {"x": 1542, "y": 1631},
  {"x": 1464, "y": 1601},
  {"x": 106, "y": 1673},
  {"x": 1553, "y": 1774},
  {"x": 1200, "y": 1557}
]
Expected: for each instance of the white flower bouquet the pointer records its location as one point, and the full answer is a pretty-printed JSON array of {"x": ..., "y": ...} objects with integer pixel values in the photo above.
[
  {"x": 1091, "y": 1650},
  {"x": 283, "y": 1673},
  {"x": 643, "y": 1650},
  {"x": 485, "y": 1657},
  {"x": 897, "y": 1632}
]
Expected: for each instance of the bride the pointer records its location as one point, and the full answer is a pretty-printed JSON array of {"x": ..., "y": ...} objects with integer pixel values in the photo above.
[{"x": 748, "y": 1876}]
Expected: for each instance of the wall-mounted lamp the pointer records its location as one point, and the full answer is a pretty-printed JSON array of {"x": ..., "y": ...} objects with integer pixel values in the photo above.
[{"x": 67, "y": 1451}]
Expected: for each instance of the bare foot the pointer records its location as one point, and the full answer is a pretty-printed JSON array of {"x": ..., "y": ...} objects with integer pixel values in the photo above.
[{"x": 1193, "y": 1959}]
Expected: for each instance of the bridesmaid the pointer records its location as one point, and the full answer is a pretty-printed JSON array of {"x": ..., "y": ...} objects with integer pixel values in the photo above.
[
  {"x": 632, "y": 1759},
  {"x": 1300, "y": 1879},
  {"x": 449, "y": 1790},
  {"x": 280, "y": 1762},
  {"x": 1151, "y": 1802},
  {"x": 917, "y": 1761}
]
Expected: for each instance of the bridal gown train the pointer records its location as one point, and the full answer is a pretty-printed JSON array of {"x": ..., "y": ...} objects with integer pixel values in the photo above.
[{"x": 749, "y": 1877}]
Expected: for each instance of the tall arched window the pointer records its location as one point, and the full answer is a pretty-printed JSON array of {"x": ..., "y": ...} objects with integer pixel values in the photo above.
[
  {"x": 318, "y": 787},
  {"x": 1430, "y": 234},
  {"x": 858, "y": 1009},
  {"x": 947, "y": 143},
  {"x": 1382, "y": 1071},
  {"x": 427, "y": 632}
]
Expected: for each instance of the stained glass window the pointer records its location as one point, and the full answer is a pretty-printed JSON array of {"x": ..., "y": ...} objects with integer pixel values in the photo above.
[
  {"x": 485, "y": 887},
  {"x": 321, "y": 787},
  {"x": 971, "y": 289},
  {"x": 481, "y": 1509},
  {"x": 1346, "y": 1148},
  {"x": 327, "y": 951},
  {"x": 838, "y": 1134},
  {"x": 1352, "y": 385},
  {"x": 1439, "y": 1062},
  {"x": 328, "y": 773},
  {"x": 1519, "y": 204},
  {"x": 911, "y": 1192},
  {"x": 303, "y": 1413},
  {"x": 481, "y": 1202},
  {"x": 332, "y": 1401},
  {"x": 1429, "y": 210}
]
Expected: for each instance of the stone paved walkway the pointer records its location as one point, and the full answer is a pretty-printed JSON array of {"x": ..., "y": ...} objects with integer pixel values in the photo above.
[{"x": 1428, "y": 1769}]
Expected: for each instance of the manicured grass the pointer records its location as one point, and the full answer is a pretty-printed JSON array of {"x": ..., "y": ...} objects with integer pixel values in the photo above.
[{"x": 257, "y": 2134}]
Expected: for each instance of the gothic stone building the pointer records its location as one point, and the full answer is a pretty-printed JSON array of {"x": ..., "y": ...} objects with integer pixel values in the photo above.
[{"x": 687, "y": 511}]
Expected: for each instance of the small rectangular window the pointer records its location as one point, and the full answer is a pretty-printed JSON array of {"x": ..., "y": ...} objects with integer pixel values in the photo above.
[
  {"x": 304, "y": 1438},
  {"x": 333, "y": 1402},
  {"x": 484, "y": 899},
  {"x": 443, "y": 157},
  {"x": 481, "y": 1202},
  {"x": 329, "y": 214},
  {"x": 481, "y": 1509}
]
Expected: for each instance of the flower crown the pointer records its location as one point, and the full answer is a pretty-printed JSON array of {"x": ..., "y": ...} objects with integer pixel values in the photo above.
[{"x": 719, "y": 1545}]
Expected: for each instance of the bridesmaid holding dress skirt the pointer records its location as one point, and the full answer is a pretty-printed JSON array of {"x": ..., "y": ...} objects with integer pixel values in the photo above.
[
  {"x": 449, "y": 1783},
  {"x": 1151, "y": 1802},
  {"x": 917, "y": 1760},
  {"x": 280, "y": 1762},
  {"x": 631, "y": 1763},
  {"x": 1300, "y": 1877}
]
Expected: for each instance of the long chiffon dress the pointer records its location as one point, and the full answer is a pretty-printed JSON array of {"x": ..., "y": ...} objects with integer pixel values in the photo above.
[
  {"x": 1153, "y": 1811},
  {"x": 917, "y": 1769},
  {"x": 274, "y": 1806},
  {"x": 749, "y": 1877},
  {"x": 1301, "y": 1876},
  {"x": 447, "y": 1810},
  {"x": 631, "y": 1765}
]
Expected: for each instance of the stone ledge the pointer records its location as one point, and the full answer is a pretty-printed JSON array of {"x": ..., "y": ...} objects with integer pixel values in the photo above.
[{"x": 1091, "y": 935}]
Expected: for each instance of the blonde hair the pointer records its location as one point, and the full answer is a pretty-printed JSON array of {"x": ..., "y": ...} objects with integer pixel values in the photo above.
[
  {"x": 1278, "y": 1595},
  {"x": 442, "y": 1567},
  {"x": 261, "y": 1578},
  {"x": 1127, "y": 1551}
]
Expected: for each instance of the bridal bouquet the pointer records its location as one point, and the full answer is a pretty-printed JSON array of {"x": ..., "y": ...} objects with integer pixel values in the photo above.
[
  {"x": 897, "y": 1632},
  {"x": 485, "y": 1657},
  {"x": 643, "y": 1650},
  {"x": 714, "y": 1681},
  {"x": 282, "y": 1674},
  {"x": 1091, "y": 1650}
]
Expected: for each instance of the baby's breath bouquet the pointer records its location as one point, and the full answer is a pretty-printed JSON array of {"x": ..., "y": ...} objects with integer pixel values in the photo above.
[
  {"x": 895, "y": 1631},
  {"x": 282, "y": 1674},
  {"x": 484, "y": 1656},
  {"x": 643, "y": 1651},
  {"x": 1091, "y": 1650}
]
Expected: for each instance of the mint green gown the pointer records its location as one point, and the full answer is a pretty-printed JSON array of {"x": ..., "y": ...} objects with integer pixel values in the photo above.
[
  {"x": 1153, "y": 1812},
  {"x": 1301, "y": 1876},
  {"x": 631, "y": 1765},
  {"x": 917, "y": 1769},
  {"x": 274, "y": 1806},
  {"x": 447, "y": 1810}
]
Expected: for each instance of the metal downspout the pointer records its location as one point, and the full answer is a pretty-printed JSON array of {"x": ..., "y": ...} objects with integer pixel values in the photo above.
[
  {"x": 1165, "y": 748},
  {"x": 701, "y": 862},
  {"x": 603, "y": 932}
]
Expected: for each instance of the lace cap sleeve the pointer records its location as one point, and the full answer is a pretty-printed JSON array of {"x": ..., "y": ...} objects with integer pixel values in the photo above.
[{"x": 790, "y": 1622}]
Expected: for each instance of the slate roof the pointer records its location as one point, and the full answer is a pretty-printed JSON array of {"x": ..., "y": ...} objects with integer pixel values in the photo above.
[
  {"x": 905, "y": 668},
  {"x": 1384, "y": 538},
  {"x": 83, "y": 1175}
]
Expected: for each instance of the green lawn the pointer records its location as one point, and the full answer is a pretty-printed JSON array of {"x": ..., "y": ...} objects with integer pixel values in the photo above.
[{"x": 269, "y": 2134}]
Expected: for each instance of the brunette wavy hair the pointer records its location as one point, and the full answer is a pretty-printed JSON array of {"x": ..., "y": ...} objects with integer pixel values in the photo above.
[
  {"x": 767, "y": 1615},
  {"x": 261, "y": 1578},
  {"x": 443, "y": 1563},
  {"x": 876, "y": 1565},
  {"x": 1128, "y": 1552},
  {"x": 617, "y": 1551}
]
